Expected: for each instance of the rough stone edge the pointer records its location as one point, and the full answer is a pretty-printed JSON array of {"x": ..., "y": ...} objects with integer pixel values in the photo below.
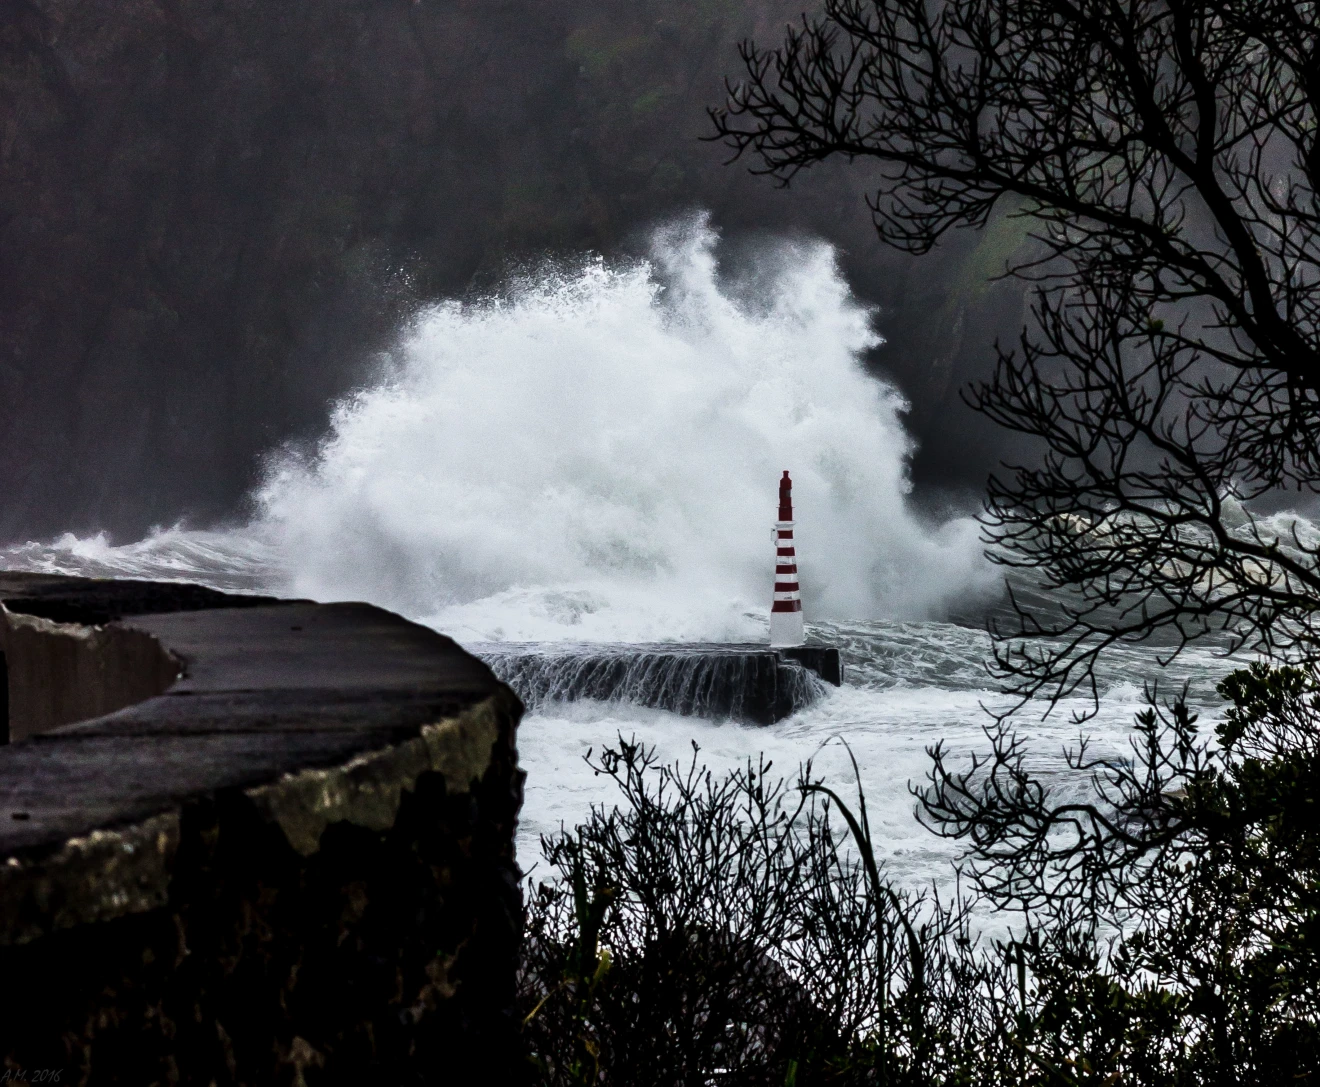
[
  {"x": 111, "y": 873},
  {"x": 18, "y": 620},
  {"x": 96, "y": 877},
  {"x": 366, "y": 790}
]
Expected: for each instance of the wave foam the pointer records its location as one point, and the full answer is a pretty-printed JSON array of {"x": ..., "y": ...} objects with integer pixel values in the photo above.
[{"x": 595, "y": 456}]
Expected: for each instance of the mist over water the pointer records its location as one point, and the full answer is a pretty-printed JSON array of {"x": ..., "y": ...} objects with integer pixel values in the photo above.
[{"x": 594, "y": 455}]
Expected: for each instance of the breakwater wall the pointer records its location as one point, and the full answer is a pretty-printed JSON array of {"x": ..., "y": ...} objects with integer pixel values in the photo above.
[
  {"x": 251, "y": 841},
  {"x": 751, "y": 683}
]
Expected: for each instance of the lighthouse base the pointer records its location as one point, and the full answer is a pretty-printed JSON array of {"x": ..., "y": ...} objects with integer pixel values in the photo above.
[
  {"x": 751, "y": 683},
  {"x": 787, "y": 629}
]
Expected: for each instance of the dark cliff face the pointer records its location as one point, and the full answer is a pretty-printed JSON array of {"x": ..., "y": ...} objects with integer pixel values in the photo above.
[{"x": 213, "y": 213}]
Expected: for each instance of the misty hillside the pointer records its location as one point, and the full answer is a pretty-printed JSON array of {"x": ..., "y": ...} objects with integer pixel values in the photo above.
[{"x": 212, "y": 214}]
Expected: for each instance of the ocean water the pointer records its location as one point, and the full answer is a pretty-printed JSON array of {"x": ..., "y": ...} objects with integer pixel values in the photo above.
[{"x": 593, "y": 455}]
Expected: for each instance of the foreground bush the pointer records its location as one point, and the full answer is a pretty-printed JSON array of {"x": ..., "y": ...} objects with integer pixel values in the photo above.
[{"x": 736, "y": 929}]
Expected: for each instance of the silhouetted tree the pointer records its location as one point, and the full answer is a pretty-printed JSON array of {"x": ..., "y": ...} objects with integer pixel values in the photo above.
[
  {"x": 1204, "y": 856},
  {"x": 1167, "y": 155}
]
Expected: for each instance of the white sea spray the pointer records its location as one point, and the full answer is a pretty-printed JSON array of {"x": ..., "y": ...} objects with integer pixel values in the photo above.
[{"x": 595, "y": 455}]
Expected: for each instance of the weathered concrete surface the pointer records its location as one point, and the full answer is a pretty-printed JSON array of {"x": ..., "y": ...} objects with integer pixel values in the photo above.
[
  {"x": 294, "y": 866},
  {"x": 64, "y": 659},
  {"x": 65, "y": 672},
  {"x": 99, "y": 600}
]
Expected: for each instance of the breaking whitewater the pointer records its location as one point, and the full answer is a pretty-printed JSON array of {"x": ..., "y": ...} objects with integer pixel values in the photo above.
[{"x": 593, "y": 456}]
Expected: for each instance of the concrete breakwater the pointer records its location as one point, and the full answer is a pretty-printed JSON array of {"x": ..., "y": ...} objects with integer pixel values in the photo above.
[
  {"x": 251, "y": 841},
  {"x": 745, "y": 682}
]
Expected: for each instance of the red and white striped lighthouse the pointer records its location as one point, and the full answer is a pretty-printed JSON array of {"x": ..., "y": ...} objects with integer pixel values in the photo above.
[{"x": 786, "y": 611}]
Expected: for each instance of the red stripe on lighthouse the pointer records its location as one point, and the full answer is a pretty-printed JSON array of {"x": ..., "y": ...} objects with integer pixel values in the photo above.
[{"x": 785, "y": 604}]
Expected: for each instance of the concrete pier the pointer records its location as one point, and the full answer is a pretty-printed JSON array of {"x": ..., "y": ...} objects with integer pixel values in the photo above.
[
  {"x": 251, "y": 841},
  {"x": 753, "y": 683}
]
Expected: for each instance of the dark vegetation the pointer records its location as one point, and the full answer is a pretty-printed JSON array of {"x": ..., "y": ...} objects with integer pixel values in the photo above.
[
  {"x": 736, "y": 930},
  {"x": 1165, "y": 155},
  {"x": 1166, "y": 158},
  {"x": 212, "y": 214}
]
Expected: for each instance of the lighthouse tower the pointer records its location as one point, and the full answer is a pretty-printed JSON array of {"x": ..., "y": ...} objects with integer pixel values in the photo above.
[{"x": 786, "y": 611}]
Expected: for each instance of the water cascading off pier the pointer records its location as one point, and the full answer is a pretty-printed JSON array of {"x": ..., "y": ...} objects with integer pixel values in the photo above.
[
  {"x": 752, "y": 683},
  {"x": 758, "y": 684}
]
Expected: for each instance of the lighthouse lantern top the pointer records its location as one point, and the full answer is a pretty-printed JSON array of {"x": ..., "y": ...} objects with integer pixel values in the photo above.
[{"x": 785, "y": 498}]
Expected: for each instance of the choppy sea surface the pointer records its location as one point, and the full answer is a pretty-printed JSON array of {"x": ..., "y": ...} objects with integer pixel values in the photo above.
[
  {"x": 593, "y": 456},
  {"x": 908, "y": 684}
]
